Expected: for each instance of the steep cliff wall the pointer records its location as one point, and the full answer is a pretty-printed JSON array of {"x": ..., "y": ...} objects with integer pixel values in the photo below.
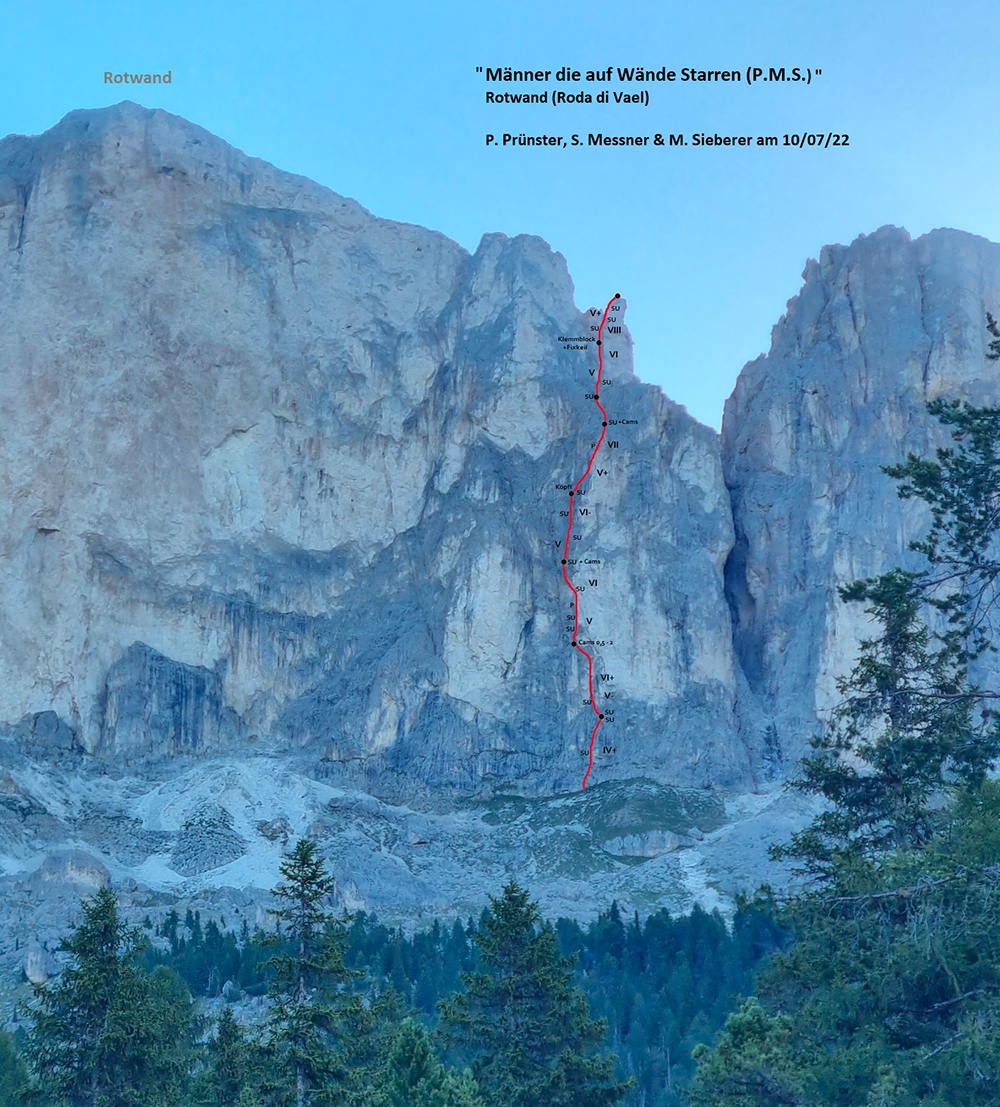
[
  {"x": 276, "y": 474},
  {"x": 280, "y": 530},
  {"x": 879, "y": 328}
]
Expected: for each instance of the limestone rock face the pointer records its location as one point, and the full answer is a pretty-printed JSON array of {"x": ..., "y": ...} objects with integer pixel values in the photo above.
[
  {"x": 879, "y": 328},
  {"x": 652, "y": 844},
  {"x": 283, "y": 493},
  {"x": 277, "y": 474},
  {"x": 154, "y": 706}
]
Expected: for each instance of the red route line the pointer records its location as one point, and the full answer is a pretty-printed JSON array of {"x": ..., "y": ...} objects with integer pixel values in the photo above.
[{"x": 569, "y": 530}]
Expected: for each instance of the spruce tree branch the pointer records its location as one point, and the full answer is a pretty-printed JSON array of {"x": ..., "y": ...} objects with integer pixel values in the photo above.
[
  {"x": 900, "y": 893},
  {"x": 966, "y": 995},
  {"x": 943, "y": 1046}
]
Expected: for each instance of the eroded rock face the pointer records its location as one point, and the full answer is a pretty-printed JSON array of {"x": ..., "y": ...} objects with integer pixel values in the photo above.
[
  {"x": 879, "y": 328},
  {"x": 276, "y": 473},
  {"x": 281, "y": 484},
  {"x": 280, "y": 530},
  {"x": 154, "y": 706}
]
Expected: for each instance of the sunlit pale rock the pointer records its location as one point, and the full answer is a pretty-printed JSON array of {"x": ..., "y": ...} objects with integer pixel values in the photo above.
[
  {"x": 281, "y": 489},
  {"x": 276, "y": 473},
  {"x": 879, "y": 328}
]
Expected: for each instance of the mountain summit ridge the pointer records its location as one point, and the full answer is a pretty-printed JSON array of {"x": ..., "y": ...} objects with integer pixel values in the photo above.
[
  {"x": 879, "y": 328},
  {"x": 280, "y": 494},
  {"x": 307, "y": 459}
]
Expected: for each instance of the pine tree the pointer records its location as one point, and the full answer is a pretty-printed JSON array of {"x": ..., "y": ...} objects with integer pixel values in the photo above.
[
  {"x": 891, "y": 985},
  {"x": 415, "y": 1077},
  {"x": 465, "y": 1091},
  {"x": 902, "y": 735},
  {"x": 521, "y": 1022},
  {"x": 911, "y": 726},
  {"x": 305, "y": 1015},
  {"x": 232, "y": 1070},
  {"x": 104, "y": 1034},
  {"x": 889, "y": 993},
  {"x": 961, "y": 488},
  {"x": 13, "y": 1072},
  {"x": 754, "y": 1064}
]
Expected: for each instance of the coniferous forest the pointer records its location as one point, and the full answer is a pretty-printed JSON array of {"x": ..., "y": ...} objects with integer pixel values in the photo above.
[
  {"x": 873, "y": 982},
  {"x": 632, "y": 998}
]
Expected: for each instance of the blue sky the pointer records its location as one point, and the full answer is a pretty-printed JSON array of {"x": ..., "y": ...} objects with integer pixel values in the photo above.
[{"x": 380, "y": 101}]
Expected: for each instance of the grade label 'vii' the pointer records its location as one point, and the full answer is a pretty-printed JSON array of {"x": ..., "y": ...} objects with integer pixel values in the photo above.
[{"x": 574, "y": 510}]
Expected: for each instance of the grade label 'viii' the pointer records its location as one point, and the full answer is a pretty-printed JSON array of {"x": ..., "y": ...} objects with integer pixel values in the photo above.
[{"x": 574, "y": 515}]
